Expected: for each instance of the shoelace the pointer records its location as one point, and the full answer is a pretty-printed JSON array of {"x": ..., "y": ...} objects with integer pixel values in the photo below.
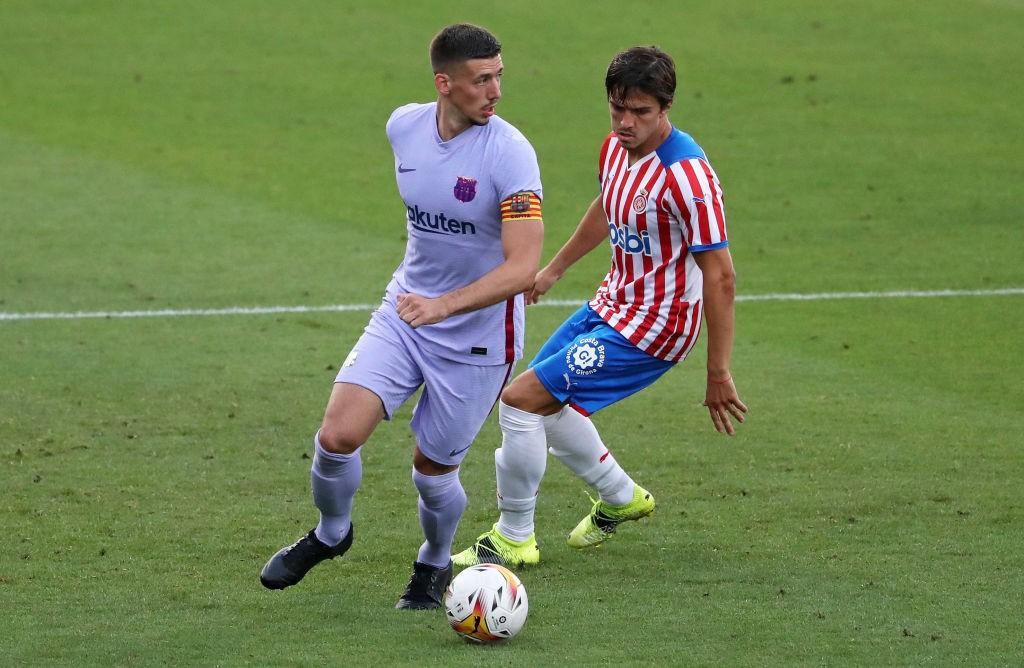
[
  {"x": 488, "y": 545},
  {"x": 603, "y": 523},
  {"x": 593, "y": 509},
  {"x": 291, "y": 557},
  {"x": 419, "y": 583},
  {"x": 419, "y": 580}
]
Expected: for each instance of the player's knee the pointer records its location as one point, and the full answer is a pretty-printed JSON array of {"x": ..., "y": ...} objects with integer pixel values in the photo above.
[
  {"x": 339, "y": 440},
  {"x": 512, "y": 419},
  {"x": 427, "y": 466},
  {"x": 515, "y": 396},
  {"x": 526, "y": 393}
]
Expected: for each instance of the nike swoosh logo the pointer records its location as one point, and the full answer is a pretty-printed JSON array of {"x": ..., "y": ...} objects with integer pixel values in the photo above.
[
  {"x": 458, "y": 452},
  {"x": 403, "y": 170}
]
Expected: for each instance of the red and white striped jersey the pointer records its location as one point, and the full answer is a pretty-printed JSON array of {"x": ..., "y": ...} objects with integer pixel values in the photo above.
[{"x": 660, "y": 211}]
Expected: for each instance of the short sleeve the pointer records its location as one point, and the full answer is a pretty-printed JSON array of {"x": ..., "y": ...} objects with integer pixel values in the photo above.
[
  {"x": 517, "y": 170},
  {"x": 694, "y": 197},
  {"x": 389, "y": 127}
]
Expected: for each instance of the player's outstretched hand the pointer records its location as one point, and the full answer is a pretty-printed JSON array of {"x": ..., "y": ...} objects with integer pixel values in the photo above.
[
  {"x": 417, "y": 310},
  {"x": 722, "y": 401},
  {"x": 541, "y": 284}
]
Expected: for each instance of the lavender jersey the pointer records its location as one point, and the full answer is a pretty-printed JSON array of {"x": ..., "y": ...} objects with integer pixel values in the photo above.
[{"x": 453, "y": 192}]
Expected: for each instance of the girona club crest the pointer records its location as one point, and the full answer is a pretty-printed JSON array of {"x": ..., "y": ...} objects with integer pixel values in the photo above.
[
  {"x": 465, "y": 189},
  {"x": 640, "y": 201}
]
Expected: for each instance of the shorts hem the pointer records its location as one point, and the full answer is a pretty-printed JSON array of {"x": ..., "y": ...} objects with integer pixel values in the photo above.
[
  {"x": 557, "y": 394},
  {"x": 387, "y": 413}
]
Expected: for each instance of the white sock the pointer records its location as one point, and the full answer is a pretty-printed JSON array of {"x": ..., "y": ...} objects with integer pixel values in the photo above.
[
  {"x": 575, "y": 442},
  {"x": 335, "y": 479},
  {"x": 518, "y": 467}
]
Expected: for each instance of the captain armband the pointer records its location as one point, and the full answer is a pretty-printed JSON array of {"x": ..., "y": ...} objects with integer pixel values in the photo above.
[{"x": 523, "y": 205}]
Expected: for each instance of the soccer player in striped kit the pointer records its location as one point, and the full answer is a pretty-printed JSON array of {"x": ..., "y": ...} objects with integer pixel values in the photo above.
[
  {"x": 452, "y": 317},
  {"x": 661, "y": 211}
]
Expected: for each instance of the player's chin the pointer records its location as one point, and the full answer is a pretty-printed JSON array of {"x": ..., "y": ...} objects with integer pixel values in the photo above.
[{"x": 483, "y": 116}]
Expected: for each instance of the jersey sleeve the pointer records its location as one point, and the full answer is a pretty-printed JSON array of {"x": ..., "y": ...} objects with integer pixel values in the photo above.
[
  {"x": 390, "y": 127},
  {"x": 517, "y": 170},
  {"x": 694, "y": 197}
]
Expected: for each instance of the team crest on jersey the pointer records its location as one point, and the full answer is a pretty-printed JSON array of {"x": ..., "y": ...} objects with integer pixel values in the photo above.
[
  {"x": 465, "y": 189},
  {"x": 585, "y": 357},
  {"x": 640, "y": 201}
]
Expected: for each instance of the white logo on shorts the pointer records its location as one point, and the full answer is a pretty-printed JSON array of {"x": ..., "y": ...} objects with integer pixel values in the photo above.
[
  {"x": 585, "y": 357},
  {"x": 350, "y": 360}
]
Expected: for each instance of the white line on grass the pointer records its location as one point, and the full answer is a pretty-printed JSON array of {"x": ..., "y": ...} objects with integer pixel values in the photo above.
[{"x": 267, "y": 310}]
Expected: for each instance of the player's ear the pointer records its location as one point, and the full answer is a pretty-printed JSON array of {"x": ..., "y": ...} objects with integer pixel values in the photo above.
[{"x": 442, "y": 83}]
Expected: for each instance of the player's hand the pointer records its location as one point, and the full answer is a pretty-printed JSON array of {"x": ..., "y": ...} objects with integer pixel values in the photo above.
[
  {"x": 542, "y": 282},
  {"x": 722, "y": 401},
  {"x": 417, "y": 310}
]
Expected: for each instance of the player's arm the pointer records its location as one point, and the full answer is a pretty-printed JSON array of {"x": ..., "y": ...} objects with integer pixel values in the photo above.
[
  {"x": 591, "y": 231},
  {"x": 721, "y": 397},
  {"x": 521, "y": 241}
]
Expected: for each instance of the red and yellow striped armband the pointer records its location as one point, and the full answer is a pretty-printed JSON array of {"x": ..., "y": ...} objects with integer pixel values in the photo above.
[{"x": 523, "y": 205}]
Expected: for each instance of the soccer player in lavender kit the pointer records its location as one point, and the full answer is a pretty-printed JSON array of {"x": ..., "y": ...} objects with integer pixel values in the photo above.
[
  {"x": 452, "y": 316},
  {"x": 661, "y": 209}
]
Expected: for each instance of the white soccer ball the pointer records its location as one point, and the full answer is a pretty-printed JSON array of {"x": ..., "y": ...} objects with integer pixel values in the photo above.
[{"x": 486, "y": 603}]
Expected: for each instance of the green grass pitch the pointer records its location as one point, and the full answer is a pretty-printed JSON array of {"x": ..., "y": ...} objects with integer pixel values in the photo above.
[{"x": 177, "y": 155}]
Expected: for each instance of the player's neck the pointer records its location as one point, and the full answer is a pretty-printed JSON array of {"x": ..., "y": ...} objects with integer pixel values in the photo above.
[
  {"x": 653, "y": 142},
  {"x": 450, "y": 121}
]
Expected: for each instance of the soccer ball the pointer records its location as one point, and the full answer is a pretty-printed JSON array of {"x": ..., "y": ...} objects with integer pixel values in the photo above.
[{"x": 485, "y": 603}]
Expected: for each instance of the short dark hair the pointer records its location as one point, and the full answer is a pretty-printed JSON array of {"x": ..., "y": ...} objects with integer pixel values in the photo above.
[
  {"x": 461, "y": 42},
  {"x": 642, "y": 69}
]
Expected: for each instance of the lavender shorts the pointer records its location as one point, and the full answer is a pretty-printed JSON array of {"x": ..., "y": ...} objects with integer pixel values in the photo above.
[{"x": 456, "y": 399}]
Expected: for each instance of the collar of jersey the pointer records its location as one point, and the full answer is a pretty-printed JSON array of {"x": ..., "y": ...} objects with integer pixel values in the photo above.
[{"x": 456, "y": 141}]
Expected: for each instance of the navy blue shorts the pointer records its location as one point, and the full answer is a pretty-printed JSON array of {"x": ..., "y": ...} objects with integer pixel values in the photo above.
[{"x": 587, "y": 364}]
